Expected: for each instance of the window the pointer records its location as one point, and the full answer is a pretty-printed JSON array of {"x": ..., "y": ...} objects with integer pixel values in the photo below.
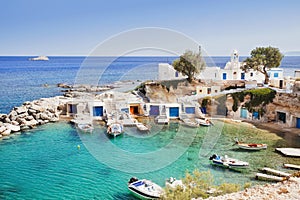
[
  {"x": 176, "y": 74},
  {"x": 200, "y": 91},
  {"x": 224, "y": 76},
  {"x": 216, "y": 91},
  {"x": 275, "y": 75},
  {"x": 234, "y": 73},
  {"x": 251, "y": 74}
]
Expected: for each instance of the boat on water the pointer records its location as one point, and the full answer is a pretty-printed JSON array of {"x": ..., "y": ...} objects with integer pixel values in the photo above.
[
  {"x": 142, "y": 127},
  {"x": 228, "y": 162},
  {"x": 144, "y": 189},
  {"x": 251, "y": 146},
  {"x": 41, "y": 58},
  {"x": 85, "y": 127},
  {"x": 173, "y": 183},
  {"x": 203, "y": 121},
  {"x": 115, "y": 129},
  {"x": 190, "y": 123}
]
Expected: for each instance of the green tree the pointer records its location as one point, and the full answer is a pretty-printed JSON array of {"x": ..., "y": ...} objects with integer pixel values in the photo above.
[
  {"x": 189, "y": 64},
  {"x": 262, "y": 59}
]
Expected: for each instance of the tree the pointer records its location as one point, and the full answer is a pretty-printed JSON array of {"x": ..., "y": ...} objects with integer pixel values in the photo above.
[
  {"x": 263, "y": 59},
  {"x": 189, "y": 64}
]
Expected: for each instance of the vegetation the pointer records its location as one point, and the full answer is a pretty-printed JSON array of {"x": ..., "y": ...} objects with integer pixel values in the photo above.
[
  {"x": 262, "y": 59},
  {"x": 189, "y": 64},
  {"x": 197, "y": 185},
  {"x": 258, "y": 99}
]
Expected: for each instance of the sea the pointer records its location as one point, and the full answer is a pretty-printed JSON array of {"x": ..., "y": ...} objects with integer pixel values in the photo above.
[{"x": 56, "y": 161}]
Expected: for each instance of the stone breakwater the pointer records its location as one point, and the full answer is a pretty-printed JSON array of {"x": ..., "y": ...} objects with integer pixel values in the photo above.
[
  {"x": 30, "y": 114},
  {"x": 287, "y": 190}
]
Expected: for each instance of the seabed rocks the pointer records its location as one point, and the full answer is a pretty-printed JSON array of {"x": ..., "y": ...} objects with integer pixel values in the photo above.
[{"x": 29, "y": 115}]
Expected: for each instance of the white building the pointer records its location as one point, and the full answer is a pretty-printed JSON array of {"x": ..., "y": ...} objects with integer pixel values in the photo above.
[{"x": 232, "y": 71}]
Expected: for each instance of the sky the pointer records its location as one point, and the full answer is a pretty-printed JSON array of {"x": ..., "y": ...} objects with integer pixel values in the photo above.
[{"x": 76, "y": 27}]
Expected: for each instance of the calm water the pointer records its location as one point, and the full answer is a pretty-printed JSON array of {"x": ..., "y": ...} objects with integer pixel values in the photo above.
[{"x": 45, "y": 163}]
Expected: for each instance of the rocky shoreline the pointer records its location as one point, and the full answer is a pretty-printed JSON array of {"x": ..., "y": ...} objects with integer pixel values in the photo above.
[
  {"x": 30, "y": 114},
  {"x": 283, "y": 190}
]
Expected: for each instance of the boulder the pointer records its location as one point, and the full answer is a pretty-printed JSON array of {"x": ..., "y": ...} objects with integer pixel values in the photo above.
[
  {"x": 7, "y": 120},
  {"x": 2, "y": 129},
  {"x": 23, "y": 115},
  {"x": 29, "y": 118},
  {"x": 2, "y": 117},
  {"x": 21, "y": 110},
  {"x": 13, "y": 115},
  {"x": 15, "y": 123},
  {"x": 37, "y": 108},
  {"x": 13, "y": 128},
  {"x": 1, "y": 136},
  {"x": 24, "y": 127},
  {"x": 6, "y": 132},
  {"x": 31, "y": 111},
  {"x": 40, "y": 122},
  {"x": 44, "y": 116},
  {"x": 54, "y": 119},
  {"x": 21, "y": 121}
]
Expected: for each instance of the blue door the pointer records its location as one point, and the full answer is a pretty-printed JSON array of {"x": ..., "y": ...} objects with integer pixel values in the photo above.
[
  {"x": 298, "y": 123},
  {"x": 244, "y": 113},
  {"x": 255, "y": 115},
  {"x": 242, "y": 76},
  {"x": 98, "y": 111},
  {"x": 224, "y": 76},
  {"x": 154, "y": 110},
  {"x": 174, "y": 112},
  {"x": 73, "y": 109},
  {"x": 190, "y": 110}
]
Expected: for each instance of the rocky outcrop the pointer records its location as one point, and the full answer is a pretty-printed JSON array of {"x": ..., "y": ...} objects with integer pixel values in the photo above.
[{"x": 29, "y": 115}]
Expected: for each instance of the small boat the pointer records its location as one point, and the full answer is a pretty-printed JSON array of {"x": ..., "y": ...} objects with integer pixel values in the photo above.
[
  {"x": 172, "y": 183},
  {"x": 85, "y": 127},
  {"x": 203, "y": 121},
  {"x": 228, "y": 162},
  {"x": 42, "y": 58},
  {"x": 115, "y": 129},
  {"x": 144, "y": 189},
  {"x": 190, "y": 123},
  {"x": 162, "y": 119},
  {"x": 251, "y": 146},
  {"x": 142, "y": 127}
]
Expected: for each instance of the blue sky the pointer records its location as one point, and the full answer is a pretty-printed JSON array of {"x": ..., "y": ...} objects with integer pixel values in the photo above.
[{"x": 65, "y": 27}]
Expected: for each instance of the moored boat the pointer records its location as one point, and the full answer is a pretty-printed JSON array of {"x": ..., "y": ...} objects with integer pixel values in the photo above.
[
  {"x": 42, "y": 58},
  {"x": 228, "y": 162},
  {"x": 115, "y": 129},
  {"x": 251, "y": 146},
  {"x": 142, "y": 127},
  {"x": 203, "y": 121},
  {"x": 144, "y": 189},
  {"x": 85, "y": 127}
]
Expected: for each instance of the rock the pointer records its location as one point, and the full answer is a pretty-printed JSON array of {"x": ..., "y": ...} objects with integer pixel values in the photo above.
[
  {"x": 31, "y": 123},
  {"x": 21, "y": 110},
  {"x": 24, "y": 127},
  {"x": 37, "y": 108},
  {"x": 1, "y": 136},
  {"x": 54, "y": 119},
  {"x": 2, "y": 129},
  {"x": 1, "y": 123},
  {"x": 13, "y": 128},
  {"x": 40, "y": 122},
  {"x": 29, "y": 118},
  {"x": 31, "y": 111},
  {"x": 23, "y": 115},
  {"x": 7, "y": 120},
  {"x": 26, "y": 103},
  {"x": 2, "y": 117},
  {"x": 6, "y": 132},
  {"x": 44, "y": 116},
  {"x": 13, "y": 115},
  {"x": 21, "y": 121}
]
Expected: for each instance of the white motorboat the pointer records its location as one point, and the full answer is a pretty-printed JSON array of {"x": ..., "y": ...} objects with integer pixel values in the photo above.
[
  {"x": 203, "y": 121},
  {"x": 142, "y": 127},
  {"x": 172, "y": 183},
  {"x": 228, "y": 162},
  {"x": 144, "y": 189},
  {"x": 115, "y": 129},
  {"x": 251, "y": 146},
  {"x": 190, "y": 123},
  {"x": 42, "y": 58},
  {"x": 85, "y": 127}
]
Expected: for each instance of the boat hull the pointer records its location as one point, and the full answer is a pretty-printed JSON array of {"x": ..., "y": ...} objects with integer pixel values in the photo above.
[{"x": 253, "y": 147}]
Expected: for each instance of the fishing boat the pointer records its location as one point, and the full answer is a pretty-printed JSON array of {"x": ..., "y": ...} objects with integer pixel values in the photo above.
[
  {"x": 172, "y": 183},
  {"x": 144, "y": 189},
  {"x": 40, "y": 58},
  {"x": 142, "y": 127},
  {"x": 190, "y": 123},
  {"x": 250, "y": 146},
  {"x": 115, "y": 129},
  {"x": 203, "y": 121},
  {"x": 228, "y": 162},
  {"x": 85, "y": 127}
]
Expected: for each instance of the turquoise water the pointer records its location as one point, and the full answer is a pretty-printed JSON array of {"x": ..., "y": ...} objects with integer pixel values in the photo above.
[{"x": 45, "y": 163}]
